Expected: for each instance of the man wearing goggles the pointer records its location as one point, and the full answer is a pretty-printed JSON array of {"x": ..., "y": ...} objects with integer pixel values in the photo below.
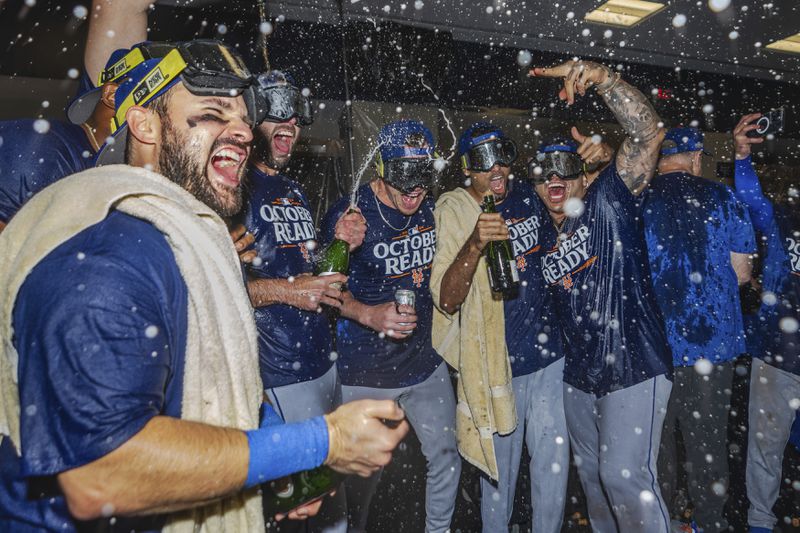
[
  {"x": 157, "y": 411},
  {"x": 523, "y": 326},
  {"x": 384, "y": 348},
  {"x": 618, "y": 366},
  {"x": 294, "y": 337}
]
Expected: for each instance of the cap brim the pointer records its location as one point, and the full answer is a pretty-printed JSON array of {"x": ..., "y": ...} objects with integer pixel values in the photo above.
[
  {"x": 113, "y": 153},
  {"x": 81, "y": 108}
]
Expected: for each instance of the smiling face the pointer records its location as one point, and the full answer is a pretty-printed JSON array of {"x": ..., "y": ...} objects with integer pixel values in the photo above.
[
  {"x": 406, "y": 202},
  {"x": 205, "y": 142},
  {"x": 276, "y": 141},
  {"x": 556, "y": 191}
]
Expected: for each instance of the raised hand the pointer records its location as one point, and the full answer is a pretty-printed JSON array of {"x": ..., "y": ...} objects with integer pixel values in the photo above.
[
  {"x": 578, "y": 77},
  {"x": 591, "y": 152},
  {"x": 741, "y": 142},
  {"x": 489, "y": 227}
]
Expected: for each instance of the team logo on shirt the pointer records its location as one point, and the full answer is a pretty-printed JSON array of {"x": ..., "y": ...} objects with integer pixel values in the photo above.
[
  {"x": 794, "y": 254},
  {"x": 291, "y": 221},
  {"x": 570, "y": 256},
  {"x": 411, "y": 250},
  {"x": 524, "y": 233}
]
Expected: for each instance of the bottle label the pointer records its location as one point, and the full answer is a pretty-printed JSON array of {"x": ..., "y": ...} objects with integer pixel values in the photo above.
[{"x": 514, "y": 274}]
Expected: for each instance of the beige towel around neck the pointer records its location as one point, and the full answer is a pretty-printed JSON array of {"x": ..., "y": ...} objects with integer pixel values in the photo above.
[
  {"x": 221, "y": 382},
  {"x": 472, "y": 340}
]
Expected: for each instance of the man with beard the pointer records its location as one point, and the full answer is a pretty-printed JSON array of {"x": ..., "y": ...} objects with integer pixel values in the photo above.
[
  {"x": 617, "y": 369},
  {"x": 699, "y": 238},
  {"x": 294, "y": 336},
  {"x": 129, "y": 387},
  {"x": 775, "y": 377},
  {"x": 385, "y": 348},
  {"x": 528, "y": 337}
]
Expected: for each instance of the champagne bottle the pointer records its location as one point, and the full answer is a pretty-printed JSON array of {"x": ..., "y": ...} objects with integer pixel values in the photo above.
[
  {"x": 287, "y": 493},
  {"x": 503, "y": 276},
  {"x": 334, "y": 259}
]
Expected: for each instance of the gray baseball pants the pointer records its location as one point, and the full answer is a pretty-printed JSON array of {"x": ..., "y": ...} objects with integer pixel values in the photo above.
[
  {"x": 430, "y": 408},
  {"x": 774, "y": 399},
  {"x": 698, "y": 408},
  {"x": 539, "y": 398},
  {"x": 301, "y": 401},
  {"x": 615, "y": 440}
]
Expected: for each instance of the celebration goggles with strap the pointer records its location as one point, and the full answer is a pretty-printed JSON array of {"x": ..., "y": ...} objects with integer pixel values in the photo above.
[
  {"x": 284, "y": 101},
  {"x": 138, "y": 54},
  {"x": 489, "y": 150},
  {"x": 559, "y": 159},
  {"x": 206, "y": 68},
  {"x": 409, "y": 168}
]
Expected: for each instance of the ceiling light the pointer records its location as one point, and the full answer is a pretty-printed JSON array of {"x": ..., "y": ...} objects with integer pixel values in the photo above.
[
  {"x": 791, "y": 44},
  {"x": 624, "y": 13}
]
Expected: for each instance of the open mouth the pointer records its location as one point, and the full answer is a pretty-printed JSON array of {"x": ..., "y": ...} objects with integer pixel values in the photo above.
[
  {"x": 226, "y": 162},
  {"x": 556, "y": 191},
  {"x": 497, "y": 184},
  {"x": 282, "y": 142},
  {"x": 412, "y": 199}
]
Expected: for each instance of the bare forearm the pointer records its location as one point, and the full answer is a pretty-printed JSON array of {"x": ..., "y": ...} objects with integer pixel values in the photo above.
[
  {"x": 170, "y": 465},
  {"x": 113, "y": 24},
  {"x": 743, "y": 266},
  {"x": 638, "y": 155},
  {"x": 267, "y": 291},
  {"x": 353, "y": 309},
  {"x": 457, "y": 280}
]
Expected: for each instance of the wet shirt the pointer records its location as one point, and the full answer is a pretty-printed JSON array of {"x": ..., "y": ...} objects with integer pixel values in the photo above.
[
  {"x": 100, "y": 328},
  {"x": 30, "y": 161},
  {"x": 294, "y": 345},
  {"x": 597, "y": 265},
  {"x": 780, "y": 298},
  {"x": 692, "y": 225},
  {"x": 396, "y": 254},
  {"x": 533, "y": 338}
]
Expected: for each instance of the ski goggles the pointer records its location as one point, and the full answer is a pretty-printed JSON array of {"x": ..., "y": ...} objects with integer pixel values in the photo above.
[
  {"x": 408, "y": 173},
  {"x": 565, "y": 165},
  {"x": 491, "y": 151},
  {"x": 284, "y": 102},
  {"x": 206, "y": 67}
]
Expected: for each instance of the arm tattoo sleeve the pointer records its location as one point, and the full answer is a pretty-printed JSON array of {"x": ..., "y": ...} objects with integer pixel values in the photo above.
[{"x": 637, "y": 157}]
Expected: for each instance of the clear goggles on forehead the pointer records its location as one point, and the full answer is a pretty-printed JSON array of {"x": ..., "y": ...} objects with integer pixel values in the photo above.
[
  {"x": 495, "y": 151},
  {"x": 286, "y": 101},
  {"x": 406, "y": 174},
  {"x": 565, "y": 165}
]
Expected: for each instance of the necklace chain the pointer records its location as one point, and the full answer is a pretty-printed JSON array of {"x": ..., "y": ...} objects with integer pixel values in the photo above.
[{"x": 378, "y": 205}]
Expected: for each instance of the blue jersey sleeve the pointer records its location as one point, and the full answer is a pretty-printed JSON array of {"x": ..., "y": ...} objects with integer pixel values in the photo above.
[
  {"x": 748, "y": 189},
  {"x": 741, "y": 236},
  {"x": 96, "y": 328}
]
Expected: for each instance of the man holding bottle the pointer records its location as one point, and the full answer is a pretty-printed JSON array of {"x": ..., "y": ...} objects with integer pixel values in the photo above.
[
  {"x": 384, "y": 347},
  {"x": 518, "y": 321},
  {"x": 294, "y": 337}
]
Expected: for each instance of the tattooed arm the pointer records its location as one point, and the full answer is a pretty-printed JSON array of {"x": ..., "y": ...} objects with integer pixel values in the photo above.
[{"x": 637, "y": 157}]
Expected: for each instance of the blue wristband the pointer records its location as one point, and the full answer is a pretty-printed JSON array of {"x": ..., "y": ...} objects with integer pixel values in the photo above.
[{"x": 283, "y": 449}]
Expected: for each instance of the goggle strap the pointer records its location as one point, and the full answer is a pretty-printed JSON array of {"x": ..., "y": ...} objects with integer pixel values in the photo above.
[
  {"x": 121, "y": 67},
  {"x": 169, "y": 68}
]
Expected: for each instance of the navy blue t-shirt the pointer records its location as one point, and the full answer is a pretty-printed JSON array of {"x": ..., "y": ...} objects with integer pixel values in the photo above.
[
  {"x": 30, "y": 161},
  {"x": 692, "y": 225},
  {"x": 388, "y": 259},
  {"x": 100, "y": 328},
  {"x": 533, "y": 337},
  {"x": 597, "y": 264},
  {"x": 780, "y": 308},
  {"x": 294, "y": 345}
]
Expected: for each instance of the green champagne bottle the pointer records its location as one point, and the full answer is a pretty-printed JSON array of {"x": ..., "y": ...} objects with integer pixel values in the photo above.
[
  {"x": 502, "y": 264},
  {"x": 287, "y": 493},
  {"x": 334, "y": 259}
]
